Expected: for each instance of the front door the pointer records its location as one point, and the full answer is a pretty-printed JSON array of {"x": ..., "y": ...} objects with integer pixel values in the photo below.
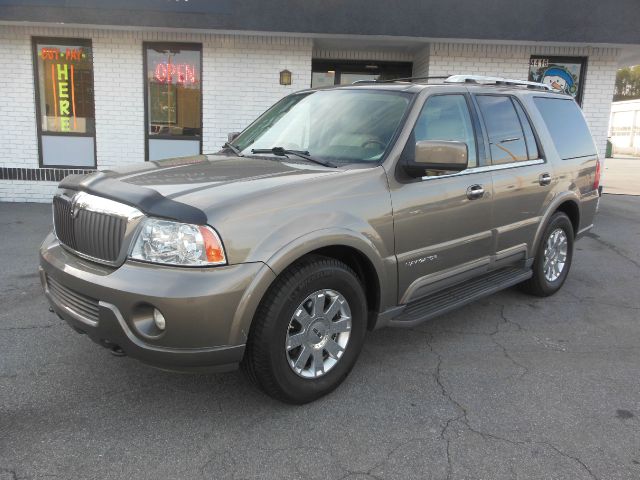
[{"x": 443, "y": 221}]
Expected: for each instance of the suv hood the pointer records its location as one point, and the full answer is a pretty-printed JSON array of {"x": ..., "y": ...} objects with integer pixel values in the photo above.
[{"x": 202, "y": 181}]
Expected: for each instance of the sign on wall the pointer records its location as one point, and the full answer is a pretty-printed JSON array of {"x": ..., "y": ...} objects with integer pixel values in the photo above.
[{"x": 561, "y": 73}]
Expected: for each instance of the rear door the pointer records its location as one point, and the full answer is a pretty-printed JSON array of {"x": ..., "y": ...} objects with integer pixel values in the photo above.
[
  {"x": 442, "y": 222},
  {"x": 522, "y": 179}
]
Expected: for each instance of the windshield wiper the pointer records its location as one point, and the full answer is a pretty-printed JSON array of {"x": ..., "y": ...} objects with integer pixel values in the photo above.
[
  {"x": 233, "y": 148},
  {"x": 283, "y": 152}
]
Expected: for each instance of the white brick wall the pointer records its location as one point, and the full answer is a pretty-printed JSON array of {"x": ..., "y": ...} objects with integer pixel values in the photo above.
[
  {"x": 18, "y": 136},
  {"x": 512, "y": 61},
  {"x": 240, "y": 80}
]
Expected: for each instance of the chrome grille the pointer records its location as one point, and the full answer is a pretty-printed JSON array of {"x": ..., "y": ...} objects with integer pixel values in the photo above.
[
  {"x": 82, "y": 305},
  {"x": 92, "y": 226}
]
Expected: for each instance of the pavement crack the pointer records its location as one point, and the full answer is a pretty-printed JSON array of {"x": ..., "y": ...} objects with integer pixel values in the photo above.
[
  {"x": 30, "y": 327},
  {"x": 571, "y": 457},
  {"x": 504, "y": 349},
  {"x": 613, "y": 248},
  {"x": 463, "y": 418}
]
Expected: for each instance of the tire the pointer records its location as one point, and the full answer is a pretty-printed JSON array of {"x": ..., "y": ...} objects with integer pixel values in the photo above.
[
  {"x": 281, "y": 371},
  {"x": 540, "y": 284}
]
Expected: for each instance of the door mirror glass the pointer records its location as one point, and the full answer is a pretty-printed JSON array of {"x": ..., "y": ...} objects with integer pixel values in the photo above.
[{"x": 438, "y": 155}]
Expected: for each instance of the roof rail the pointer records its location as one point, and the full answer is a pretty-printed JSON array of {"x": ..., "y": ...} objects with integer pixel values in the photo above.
[
  {"x": 482, "y": 79},
  {"x": 403, "y": 79}
]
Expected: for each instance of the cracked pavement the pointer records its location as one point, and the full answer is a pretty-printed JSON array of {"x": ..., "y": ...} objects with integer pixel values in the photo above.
[{"x": 510, "y": 387}]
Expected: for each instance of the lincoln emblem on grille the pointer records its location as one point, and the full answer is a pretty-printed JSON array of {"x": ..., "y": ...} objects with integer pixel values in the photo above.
[{"x": 75, "y": 208}]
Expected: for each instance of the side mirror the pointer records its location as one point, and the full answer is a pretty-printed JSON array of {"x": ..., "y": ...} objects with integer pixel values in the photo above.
[
  {"x": 232, "y": 136},
  {"x": 438, "y": 155}
]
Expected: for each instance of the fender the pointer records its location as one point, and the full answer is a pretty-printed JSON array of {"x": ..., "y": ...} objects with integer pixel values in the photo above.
[
  {"x": 288, "y": 254},
  {"x": 553, "y": 206}
]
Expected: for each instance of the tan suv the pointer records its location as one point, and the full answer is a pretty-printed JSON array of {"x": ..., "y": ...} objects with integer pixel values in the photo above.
[{"x": 337, "y": 211}]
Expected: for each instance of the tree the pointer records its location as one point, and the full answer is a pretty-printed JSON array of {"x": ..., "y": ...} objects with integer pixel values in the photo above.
[{"x": 627, "y": 83}]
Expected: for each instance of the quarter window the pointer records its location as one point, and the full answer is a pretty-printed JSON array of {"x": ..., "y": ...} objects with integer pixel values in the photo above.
[
  {"x": 446, "y": 117},
  {"x": 506, "y": 137},
  {"x": 567, "y": 127}
]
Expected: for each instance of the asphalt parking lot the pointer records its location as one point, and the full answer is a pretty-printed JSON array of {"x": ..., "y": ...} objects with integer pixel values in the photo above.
[{"x": 511, "y": 387}]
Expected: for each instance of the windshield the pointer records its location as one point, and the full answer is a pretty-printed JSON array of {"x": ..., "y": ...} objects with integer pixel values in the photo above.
[{"x": 339, "y": 126}]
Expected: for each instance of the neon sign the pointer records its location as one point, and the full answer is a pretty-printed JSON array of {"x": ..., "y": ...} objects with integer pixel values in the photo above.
[
  {"x": 63, "y": 84},
  {"x": 70, "y": 54},
  {"x": 181, "y": 73}
]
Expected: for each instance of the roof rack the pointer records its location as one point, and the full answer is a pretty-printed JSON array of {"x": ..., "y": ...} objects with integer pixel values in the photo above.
[
  {"x": 482, "y": 79},
  {"x": 404, "y": 79}
]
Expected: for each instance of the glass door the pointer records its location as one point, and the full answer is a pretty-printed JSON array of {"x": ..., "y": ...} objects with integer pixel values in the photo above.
[{"x": 341, "y": 72}]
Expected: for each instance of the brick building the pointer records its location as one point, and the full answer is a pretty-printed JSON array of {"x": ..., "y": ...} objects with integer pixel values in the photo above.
[{"x": 89, "y": 86}]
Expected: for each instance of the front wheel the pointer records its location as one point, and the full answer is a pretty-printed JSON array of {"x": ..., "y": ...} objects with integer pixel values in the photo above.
[
  {"x": 308, "y": 331},
  {"x": 553, "y": 257}
]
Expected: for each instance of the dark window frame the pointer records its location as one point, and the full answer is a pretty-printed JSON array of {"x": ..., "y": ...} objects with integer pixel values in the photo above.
[
  {"x": 66, "y": 41},
  {"x": 191, "y": 46}
]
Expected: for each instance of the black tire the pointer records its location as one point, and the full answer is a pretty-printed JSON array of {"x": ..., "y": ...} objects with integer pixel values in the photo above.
[
  {"x": 538, "y": 284},
  {"x": 266, "y": 360}
]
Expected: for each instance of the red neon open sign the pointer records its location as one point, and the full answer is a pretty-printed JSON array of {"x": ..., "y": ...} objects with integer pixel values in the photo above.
[{"x": 181, "y": 73}]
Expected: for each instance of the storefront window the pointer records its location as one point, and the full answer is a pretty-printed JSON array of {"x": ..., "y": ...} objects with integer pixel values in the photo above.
[
  {"x": 174, "y": 91},
  {"x": 561, "y": 73},
  {"x": 64, "y": 102},
  {"x": 65, "y": 86}
]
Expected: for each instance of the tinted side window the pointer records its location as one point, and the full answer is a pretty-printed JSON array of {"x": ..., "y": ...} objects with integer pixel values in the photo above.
[
  {"x": 530, "y": 138},
  {"x": 446, "y": 117},
  {"x": 567, "y": 127},
  {"x": 506, "y": 138}
]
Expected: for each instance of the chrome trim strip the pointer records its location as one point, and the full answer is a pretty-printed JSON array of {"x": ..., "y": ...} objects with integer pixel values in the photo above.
[
  {"x": 93, "y": 203},
  {"x": 489, "y": 168}
]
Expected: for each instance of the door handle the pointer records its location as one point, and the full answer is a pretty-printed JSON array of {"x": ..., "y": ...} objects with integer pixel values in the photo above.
[
  {"x": 474, "y": 192},
  {"x": 544, "y": 179}
]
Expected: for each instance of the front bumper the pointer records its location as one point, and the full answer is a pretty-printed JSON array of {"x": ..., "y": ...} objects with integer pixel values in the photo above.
[{"x": 208, "y": 311}]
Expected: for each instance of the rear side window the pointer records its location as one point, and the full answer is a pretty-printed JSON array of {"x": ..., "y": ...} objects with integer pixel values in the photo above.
[
  {"x": 530, "y": 138},
  {"x": 567, "y": 127},
  {"x": 506, "y": 137}
]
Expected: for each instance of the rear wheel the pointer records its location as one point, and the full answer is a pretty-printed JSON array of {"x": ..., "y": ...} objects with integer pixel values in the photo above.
[
  {"x": 308, "y": 331},
  {"x": 553, "y": 258}
]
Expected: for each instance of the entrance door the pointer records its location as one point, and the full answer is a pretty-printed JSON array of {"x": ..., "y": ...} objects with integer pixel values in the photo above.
[
  {"x": 173, "y": 100},
  {"x": 340, "y": 72},
  {"x": 443, "y": 221}
]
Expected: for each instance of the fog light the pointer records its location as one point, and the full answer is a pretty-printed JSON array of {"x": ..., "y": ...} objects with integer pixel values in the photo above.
[{"x": 159, "y": 320}]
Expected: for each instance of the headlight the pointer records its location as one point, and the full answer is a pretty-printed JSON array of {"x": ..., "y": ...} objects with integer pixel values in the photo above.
[{"x": 174, "y": 243}]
